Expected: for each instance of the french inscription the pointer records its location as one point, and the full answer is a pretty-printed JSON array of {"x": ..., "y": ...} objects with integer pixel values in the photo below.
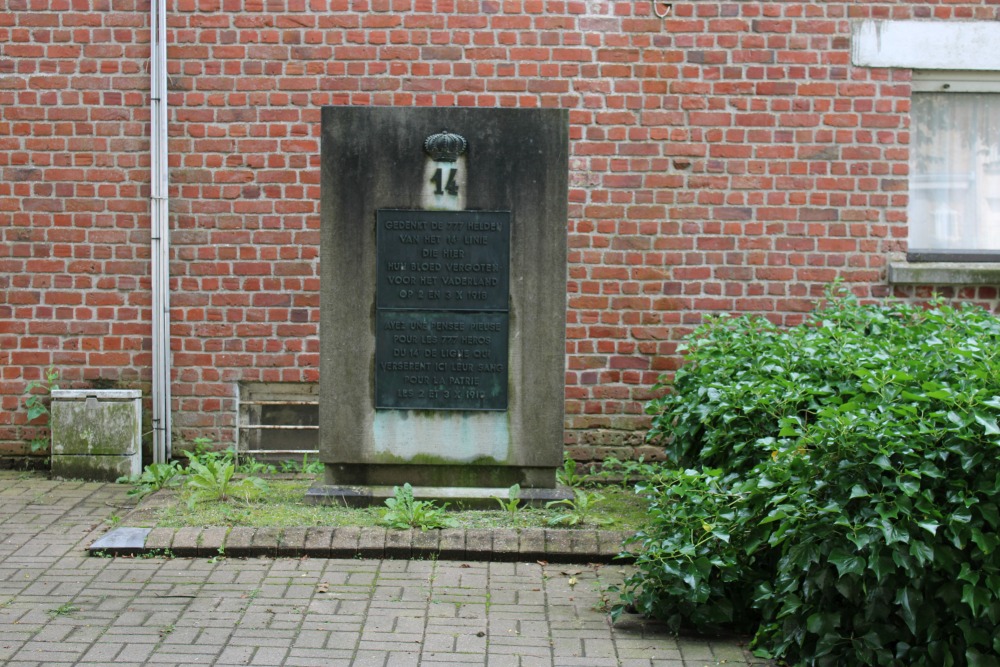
[
  {"x": 442, "y": 301},
  {"x": 449, "y": 260},
  {"x": 441, "y": 360}
]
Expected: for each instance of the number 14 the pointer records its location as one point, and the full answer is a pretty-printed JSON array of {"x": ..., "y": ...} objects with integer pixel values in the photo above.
[{"x": 450, "y": 186}]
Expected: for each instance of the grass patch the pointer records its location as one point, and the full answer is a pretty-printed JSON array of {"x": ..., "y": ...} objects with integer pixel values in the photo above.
[{"x": 284, "y": 506}]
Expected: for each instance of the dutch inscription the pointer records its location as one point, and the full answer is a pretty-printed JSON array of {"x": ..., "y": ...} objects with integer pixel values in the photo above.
[
  {"x": 456, "y": 260},
  {"x": 441, "y": 326}
]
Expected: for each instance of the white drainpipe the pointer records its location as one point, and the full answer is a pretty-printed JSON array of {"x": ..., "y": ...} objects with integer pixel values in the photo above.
[{"x": 160, "y": 231}]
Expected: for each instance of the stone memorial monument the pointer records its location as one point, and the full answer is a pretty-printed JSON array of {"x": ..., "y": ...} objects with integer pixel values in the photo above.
[{"x": 443, "y": 299}]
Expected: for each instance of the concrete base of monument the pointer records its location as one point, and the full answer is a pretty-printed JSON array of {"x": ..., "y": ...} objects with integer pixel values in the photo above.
[
  {"x": 456, "y": 497},
  {"x": 424, "y": 472}
]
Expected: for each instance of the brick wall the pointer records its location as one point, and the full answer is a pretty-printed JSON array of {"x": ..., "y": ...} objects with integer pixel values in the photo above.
[{"x": 727, "y": 158}]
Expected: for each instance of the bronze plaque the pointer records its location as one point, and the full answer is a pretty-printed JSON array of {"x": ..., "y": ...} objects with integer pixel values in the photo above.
[
  {"x": 443, "y": 260},
  {"x": 441, "y": 361},
  {"x": 441, "y": 309}
]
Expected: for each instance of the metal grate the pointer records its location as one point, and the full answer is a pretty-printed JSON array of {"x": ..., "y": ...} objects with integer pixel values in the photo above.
[{"x": 278, "y": 420}]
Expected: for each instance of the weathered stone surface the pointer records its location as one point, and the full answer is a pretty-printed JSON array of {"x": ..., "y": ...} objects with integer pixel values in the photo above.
[
  {"x": 95, "y": 422},
  {"x": 609, "y": 543},
  {"x": 531, "y": 544},
  {"x": 452, "y": 544},
  {"x": 398, "y": 543},
  {"x": 371, "y": 542},
  {"x": 186, "y": 541},
  {"x": 478, "y": 544},
  {"x": 318, "y": 543},
  {"x": 584, "y": 544},
  {"x": 239, "y": 542},
  {"x": 212, "y": 541},
  {"x": 96, "y": 433},
  {"x": 160, "y": 538},
  {"x": 94, "y": 468},
  {"x": 292, "y": 542},
  {"x": 345, "y": 542},
  {"x": 372, "y": 159},
  {"x": 558, "y": 546},
  {"x": 505, "y": 545},
  {"x": 265, "y": 542},
  {"x": 425, "y": 543}
]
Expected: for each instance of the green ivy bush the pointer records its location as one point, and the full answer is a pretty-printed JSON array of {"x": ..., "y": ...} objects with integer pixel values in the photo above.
[{"x": 832, "y": 488}]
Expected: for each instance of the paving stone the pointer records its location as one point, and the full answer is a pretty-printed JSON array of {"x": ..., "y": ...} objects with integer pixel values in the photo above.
[
  {"x": 212, "y": 540},
  {"x": 531, "y": 544},
  {"x": 609, "y": 544},
  {"x": 371, "y": 542},
  {"x": 185, "y": 542},
  {"x": 344, "y": 543},
  {"x": 426, "y": 543},
  {"x": 239, "y": 541},
  {"x": 451, "y": 544},
  {"x": 478, "y": 544},
  {"x": 505, "y": 545},
  {"x": 346, "y": 612},
  {"x": 558, "y": 546},
  {"x": 292, "y": 542},
  {"x": 160, "y": 538},
  {"x": 318, "y": 542},
  {"x": 265, "y": 542},
  {"x": 584, "y": 545},
  {"x": 398, "y": 543}
]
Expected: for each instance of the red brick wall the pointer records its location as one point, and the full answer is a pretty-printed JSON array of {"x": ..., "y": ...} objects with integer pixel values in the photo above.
[{"x": 725, "y": 159}]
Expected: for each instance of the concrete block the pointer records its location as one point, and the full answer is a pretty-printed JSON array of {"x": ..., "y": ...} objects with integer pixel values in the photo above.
[
  {"x": 452, "y": 544},
  {"x": 398, "y": 543},
  {"x": 96, "y": 433}
]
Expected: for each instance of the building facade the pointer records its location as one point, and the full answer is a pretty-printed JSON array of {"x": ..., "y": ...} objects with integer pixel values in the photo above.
[{"x": 725, "y": 157}]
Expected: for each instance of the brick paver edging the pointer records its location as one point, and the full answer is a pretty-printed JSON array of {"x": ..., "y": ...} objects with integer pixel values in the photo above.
[{"x": 502, "y": 545}]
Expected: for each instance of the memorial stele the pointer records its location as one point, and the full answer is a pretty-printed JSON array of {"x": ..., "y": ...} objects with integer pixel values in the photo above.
[{"x": 442, "y": 299}]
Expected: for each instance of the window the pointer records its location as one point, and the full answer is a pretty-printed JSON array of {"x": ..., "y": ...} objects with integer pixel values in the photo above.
[{"x": 954, "y": 210}]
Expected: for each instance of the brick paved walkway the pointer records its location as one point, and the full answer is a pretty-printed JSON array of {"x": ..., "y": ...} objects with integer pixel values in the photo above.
[{"x": 60, "y": 607}]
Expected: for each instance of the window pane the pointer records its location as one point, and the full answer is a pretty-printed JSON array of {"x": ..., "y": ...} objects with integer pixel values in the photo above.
[{"x": 955, "y": 172}]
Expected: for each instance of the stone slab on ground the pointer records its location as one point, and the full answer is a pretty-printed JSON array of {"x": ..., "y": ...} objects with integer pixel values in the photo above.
[{"x": 122, "y": 541}]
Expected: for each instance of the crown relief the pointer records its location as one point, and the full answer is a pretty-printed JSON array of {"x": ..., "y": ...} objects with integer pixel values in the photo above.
[{"x": 445, "y": 146}]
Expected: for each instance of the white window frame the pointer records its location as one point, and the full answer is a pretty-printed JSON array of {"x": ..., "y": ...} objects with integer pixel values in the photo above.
[
  {"x": 953, "y": 83},
  {"x": 944, "y": 53}
]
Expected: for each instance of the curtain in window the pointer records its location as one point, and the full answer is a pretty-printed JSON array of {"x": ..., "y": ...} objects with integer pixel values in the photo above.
[{"x": 955, "y": 172}]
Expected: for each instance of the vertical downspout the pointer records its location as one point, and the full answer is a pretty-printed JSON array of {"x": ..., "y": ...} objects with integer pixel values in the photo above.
[{"x": 160, "y": 232}]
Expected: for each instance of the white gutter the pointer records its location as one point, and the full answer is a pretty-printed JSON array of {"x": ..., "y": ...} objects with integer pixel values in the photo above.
[{"x": 159, "y": 231}]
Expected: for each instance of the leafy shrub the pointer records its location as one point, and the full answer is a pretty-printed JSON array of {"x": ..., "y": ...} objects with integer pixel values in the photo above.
[{"x": 833, "y": 488}]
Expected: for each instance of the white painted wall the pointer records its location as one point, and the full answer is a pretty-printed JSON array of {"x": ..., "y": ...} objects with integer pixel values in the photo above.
[{"x": 964, "y": 45}]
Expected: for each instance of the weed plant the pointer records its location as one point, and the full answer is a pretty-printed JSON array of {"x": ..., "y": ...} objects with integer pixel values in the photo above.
[
  {"x": 578, "y": 510},
  {"x": 404, "y": 511},
  {"x": 284, "y": 506},
  {"x": 36, "y": 403},
  {"x": 154, "y": 477},
  {"x": 833, "y": 488}
]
